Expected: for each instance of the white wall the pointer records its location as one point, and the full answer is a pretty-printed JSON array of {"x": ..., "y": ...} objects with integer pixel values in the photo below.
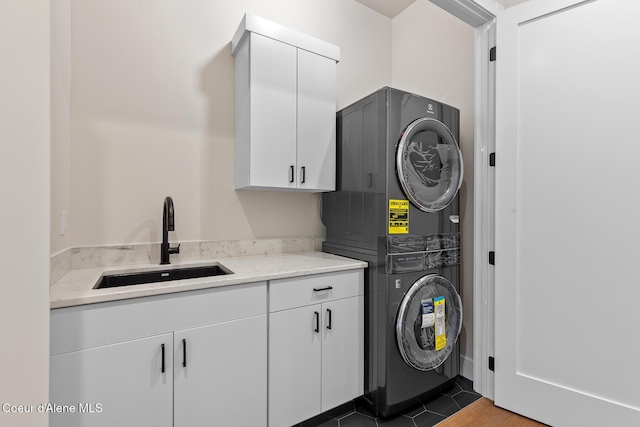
[
  {"x": 60, "y": 120},
  {"x": 433, "y": 56},
  {"x": 24, "y": 186},
  {"x": 152, "y": 100},
  {"x": 151, "y": 114},
  {"x": 510, "y": 3}
]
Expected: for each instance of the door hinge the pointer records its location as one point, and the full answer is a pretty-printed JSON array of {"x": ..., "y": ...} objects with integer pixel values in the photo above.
[
  {"x": 492, "y": 258},
  {"x": 492, "y": 364},
  {"x": 492, "y": 159},
  {"x": 492, "y": 54}
]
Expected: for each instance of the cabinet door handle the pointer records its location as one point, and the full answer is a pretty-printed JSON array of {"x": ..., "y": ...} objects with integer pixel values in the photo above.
[
  {"x": 162, "y": 369},
  {"x": 329, "y": 316},
  {"x": 184, "y": 353},
  {"x": 302, "y": 171},
  {"x": 291, "y": 172},
  {"x": 317, "y": 317},
  {"x": 328, "y": 288}
]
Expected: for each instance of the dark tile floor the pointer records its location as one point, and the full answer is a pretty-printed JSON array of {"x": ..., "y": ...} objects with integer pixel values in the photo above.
[{"x": 424, "y": 414}]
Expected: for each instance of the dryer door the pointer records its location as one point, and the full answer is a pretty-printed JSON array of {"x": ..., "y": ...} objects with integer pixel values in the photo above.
[
  {"x": 429, "y": 164},
  {"x": 424, "y": 340}
]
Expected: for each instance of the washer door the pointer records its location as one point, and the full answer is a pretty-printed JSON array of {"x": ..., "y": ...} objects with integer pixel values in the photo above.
[
  {"x": 429, "y": 164},
  {"x": 417, "y": 343}
]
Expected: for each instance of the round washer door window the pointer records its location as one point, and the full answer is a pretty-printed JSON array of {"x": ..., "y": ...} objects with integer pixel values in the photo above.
[
  {"x": 417, "y": 341},
  {"x": 429, "y": 164}
]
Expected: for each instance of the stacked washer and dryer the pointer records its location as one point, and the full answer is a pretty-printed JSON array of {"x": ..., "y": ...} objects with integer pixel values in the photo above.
[{"x": 396, "y": 207}]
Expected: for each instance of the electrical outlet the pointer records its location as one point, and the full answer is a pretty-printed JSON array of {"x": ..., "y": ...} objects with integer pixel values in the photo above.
[{"x": 64, "y": 222}]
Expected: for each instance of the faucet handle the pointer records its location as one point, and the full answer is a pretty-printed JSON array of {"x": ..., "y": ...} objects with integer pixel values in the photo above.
[{"x": 175, "y": 250}]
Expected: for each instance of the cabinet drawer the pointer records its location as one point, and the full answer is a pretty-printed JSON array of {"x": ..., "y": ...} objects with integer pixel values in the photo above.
[{"x": 299, "y": 291}]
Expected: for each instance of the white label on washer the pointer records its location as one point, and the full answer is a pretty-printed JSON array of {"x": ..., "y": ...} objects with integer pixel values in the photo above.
[
  {"x": 441, "y": 337},
  {"x": 428, "y": 316}
]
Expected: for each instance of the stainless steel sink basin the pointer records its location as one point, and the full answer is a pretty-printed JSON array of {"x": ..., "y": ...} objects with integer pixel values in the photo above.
[{"x": 169, "y": 274}]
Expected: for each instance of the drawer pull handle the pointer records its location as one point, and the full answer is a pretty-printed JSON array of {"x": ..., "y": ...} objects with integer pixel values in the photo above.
[
  {"x": 329, "y": 320},
  {"x": 328, "y": 288},
  {"x": 184, "y": 353},
  {"x": 162, "y": 368},
  {"x": 317, "y": 317}
]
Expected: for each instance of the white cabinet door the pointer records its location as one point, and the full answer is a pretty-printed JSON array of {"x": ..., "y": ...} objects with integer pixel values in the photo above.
[
  {"x": 294, "y": 365},
  {"x": 342, "y": 351},
  {"x": 316, "y": 159},
  {"x": 219, "y": 370},
  {"x": 125, "y": 380},
  {"x": 272, "y": 112}
]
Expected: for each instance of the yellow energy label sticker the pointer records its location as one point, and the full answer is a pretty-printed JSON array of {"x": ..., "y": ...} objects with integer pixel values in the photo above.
[
  {"x": 398, "y": 216},
  {"x": 441, "y": 336}
]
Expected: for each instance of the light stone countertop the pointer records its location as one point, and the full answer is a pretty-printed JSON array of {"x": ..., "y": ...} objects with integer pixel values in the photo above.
[{"x": 76, "y": 287}]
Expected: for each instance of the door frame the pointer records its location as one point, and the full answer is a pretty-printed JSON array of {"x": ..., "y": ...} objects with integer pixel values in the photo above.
[
  {"x": 484, "y": 211},
  {"x": 481, "y": 14}
]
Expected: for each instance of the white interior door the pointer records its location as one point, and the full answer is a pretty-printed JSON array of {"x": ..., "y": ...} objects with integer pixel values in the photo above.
[{"x": 567, "y": 210}]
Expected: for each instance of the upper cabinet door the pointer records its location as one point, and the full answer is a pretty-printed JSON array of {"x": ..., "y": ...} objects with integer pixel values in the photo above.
[
  {"x": 272, "y": 112},
  {"x": 316, "y": 159}
]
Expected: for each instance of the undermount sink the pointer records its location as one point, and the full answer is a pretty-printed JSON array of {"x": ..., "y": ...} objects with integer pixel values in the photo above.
[{"x": 166, "y": 275}]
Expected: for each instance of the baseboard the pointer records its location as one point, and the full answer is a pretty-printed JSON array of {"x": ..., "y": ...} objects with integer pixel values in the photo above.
[{"x": 466, "y": 367}]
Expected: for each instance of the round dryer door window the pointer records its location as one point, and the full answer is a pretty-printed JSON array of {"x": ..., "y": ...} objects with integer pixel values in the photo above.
[
  {"x": 428, "y": 323},
  {"x": 429, "y": 164}
]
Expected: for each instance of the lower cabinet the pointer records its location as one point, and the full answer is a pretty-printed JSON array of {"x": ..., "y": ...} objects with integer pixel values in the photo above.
[
  {"x": 202, "y": 357},
  {"x": 316, "y": 350},
  {"x": 118, "y": 384},
  {"x": 189, "y": 376}
]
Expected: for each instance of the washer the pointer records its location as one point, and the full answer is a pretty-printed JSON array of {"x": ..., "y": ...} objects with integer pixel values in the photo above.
[{"x": 396, "y": 206}]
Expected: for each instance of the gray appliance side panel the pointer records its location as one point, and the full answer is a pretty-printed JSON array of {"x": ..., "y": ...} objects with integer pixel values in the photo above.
[
  {"x": 351, "y": 213},
  {"x": 337, "y": 206},
  {"x": 451, "y": 119},
  {"x": 380, "y": 199}
]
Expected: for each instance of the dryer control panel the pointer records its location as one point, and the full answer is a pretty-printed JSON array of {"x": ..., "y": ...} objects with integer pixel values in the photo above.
[{"x": 418, "y": 253}]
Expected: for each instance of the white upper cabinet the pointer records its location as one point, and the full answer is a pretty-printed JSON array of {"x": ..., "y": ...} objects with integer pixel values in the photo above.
[{"x": 285, "y": 107}]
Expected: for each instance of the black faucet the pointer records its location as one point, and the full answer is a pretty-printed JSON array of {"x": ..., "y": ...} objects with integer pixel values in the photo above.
[{"x": 167, "y": 225}]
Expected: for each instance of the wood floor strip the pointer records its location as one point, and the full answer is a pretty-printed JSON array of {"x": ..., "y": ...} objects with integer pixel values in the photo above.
[{"x": 483, "y": 413}]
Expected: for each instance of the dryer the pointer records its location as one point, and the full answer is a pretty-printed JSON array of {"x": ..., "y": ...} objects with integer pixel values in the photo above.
[
  {"x": 396, "y": 207},
  {"x": 394, "y": 146}
]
